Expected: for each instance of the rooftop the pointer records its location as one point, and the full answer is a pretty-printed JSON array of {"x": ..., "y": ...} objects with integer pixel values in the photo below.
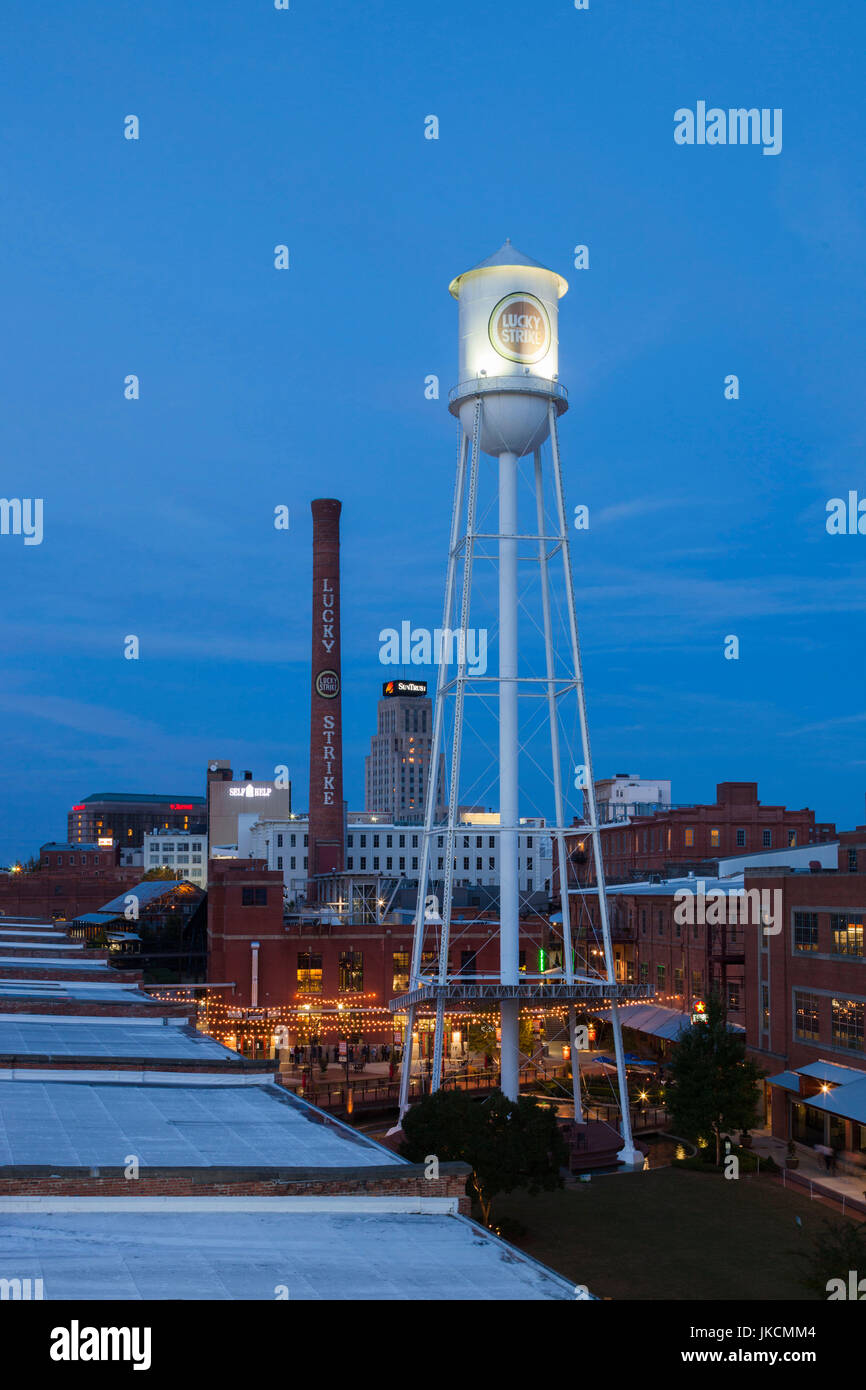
[
  {"x": 235, "y": 1248},
  {"x": 197, "y": 1122},
  {"x": 64, "y": 1036},
  {"x": 147, "y": 797}
]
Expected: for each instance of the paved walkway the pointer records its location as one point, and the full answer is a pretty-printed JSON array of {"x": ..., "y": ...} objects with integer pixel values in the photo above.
[{"x": 811, "y": 1167}]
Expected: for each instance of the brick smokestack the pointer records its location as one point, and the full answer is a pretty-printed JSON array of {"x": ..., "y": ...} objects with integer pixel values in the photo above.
[{"x": 326, "y": 723}]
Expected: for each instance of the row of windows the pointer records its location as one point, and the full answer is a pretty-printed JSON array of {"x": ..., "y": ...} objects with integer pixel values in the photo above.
[
  {"x": 847, "y": 1019},
  {"x": 293, "y": 861},
  {"x": 310, "y": 973},
  {"x": 181, "y": 848},
  {"x": 293, "y": 840},
  {"x": 627, "y": 841},
  {"x": 845, "y": 936}
]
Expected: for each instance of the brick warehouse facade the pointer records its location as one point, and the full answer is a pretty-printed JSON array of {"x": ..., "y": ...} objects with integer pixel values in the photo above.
[
  {"x": 805, "y": 991},
  {"x": 680, "y": 839},
  {"x": 71, "y": 879},
  {"x": 679, "y": 962},
  {"x": 327, "y": 981}
]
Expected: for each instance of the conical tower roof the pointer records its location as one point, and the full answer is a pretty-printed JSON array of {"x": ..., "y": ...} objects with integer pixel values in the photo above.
[{"x": 507, "y": 255}]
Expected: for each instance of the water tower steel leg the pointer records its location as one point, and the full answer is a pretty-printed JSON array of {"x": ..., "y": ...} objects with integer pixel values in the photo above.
[
  {"x": 406, "y": 1064},
  {"x": 438, "y": 720},
  {"x": 628, "y": 1153},
  {"x": 568, "y": 955},
  {"x": 509, "y": 811}
]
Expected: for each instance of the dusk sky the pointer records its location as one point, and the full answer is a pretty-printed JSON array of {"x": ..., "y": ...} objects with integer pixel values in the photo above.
[{"x": 262, "y": 387}]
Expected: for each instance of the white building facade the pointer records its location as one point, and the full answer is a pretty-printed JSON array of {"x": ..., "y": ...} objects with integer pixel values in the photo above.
[{"x": 182, "y": 851}]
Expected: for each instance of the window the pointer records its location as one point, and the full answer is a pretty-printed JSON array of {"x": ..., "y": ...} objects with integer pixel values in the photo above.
[
  {"x": 293, "y": 840},
  {"x": 375, "y": 841},
  {"x": 807, "y": 1016},
  {"x": 765, "y": 1008},
  {"x": 363, "y": 862},
  {"x": 280, "y": 862},
  {"x": 350, "y": 862},
  {"x": 441, "y": 862},
  {"x": 660, "y": 977},
  {"x": 734, "y": 994},
  {"x": 491, "y": 842},
  {"x": 306, "y": 842},
  {"x": 847, "y": 934},
  {"x": 792, "y": 838},
  {"x": 715, "y": 839},
  {"x": 697, "y": 982},
  {"x": 401, "y": 842},
  {"x": 389, "y": 841},
  {"x": 479, "y": 864},
  {"x": 465, "y": 865},
  {"x": 644, "y": 972},
  {"x": 767, "y": 839},
  {"x": 478, "y": 841},
  {"x": 852, "y": 861},
  {"x": 309, "y": 973},
  {"x": 661, "y": 923},
  {"x": 414, "y": 861},
  {"x": 848, "y": 1018},
  {"x": 254, "y": 897},
  {"x": 293, "y": 862},
  {"x": 375, "y": 861},
  {"x": 643, "y": 921},
  {"x": 678, "y": 979},
  {"x": 351, "y": 972},
  {"x": 389, "y": 863},
  {"x": 280, "y": 842},
  {"x": 741, "y": 839},
  {"x": 467, "y": 962},
  {"x": 363, "y": 842},
  {"x": 401, "y": 972},
  {"x": 805, "y": 931},
  {"x": 689, "y": 835}
]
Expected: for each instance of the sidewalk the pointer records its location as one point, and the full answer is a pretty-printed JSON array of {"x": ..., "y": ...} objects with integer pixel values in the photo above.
[{"x": 811, "y": 1169}]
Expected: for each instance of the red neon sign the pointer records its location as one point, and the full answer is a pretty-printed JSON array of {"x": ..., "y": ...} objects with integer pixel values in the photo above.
[{"x": 178, "y": 806}]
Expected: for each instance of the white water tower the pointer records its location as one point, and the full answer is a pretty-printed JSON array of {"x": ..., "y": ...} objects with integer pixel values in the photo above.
[{"x": 508, "y": 401}]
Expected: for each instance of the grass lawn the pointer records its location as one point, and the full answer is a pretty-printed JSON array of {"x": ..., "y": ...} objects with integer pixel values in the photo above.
[{"x": 670, "y": 1234}]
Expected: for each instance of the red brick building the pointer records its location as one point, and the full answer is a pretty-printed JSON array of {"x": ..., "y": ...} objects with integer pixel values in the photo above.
[
  {"x": 681, "y": 962},
  {"x": 71, "y": 879},
  {"x": 683, "y": 839},
  {"x": 805, "y": 991},
  {"x": 325, "y": 981}
]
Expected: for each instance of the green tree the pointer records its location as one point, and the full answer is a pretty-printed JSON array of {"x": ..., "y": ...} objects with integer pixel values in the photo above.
[
  {"x": 161, "y": 873},
  {"x": 481, "y": 1036},
  {"x": 713, "y": 1088},
  {"x": 507, "y": 1143}
]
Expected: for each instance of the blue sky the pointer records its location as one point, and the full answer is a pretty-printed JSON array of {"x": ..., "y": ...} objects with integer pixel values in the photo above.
[{"x": 261, "y": 387}]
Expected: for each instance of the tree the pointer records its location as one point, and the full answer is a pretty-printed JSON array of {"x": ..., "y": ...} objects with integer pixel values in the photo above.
[
  {"x": 508, "y": 1143},
  {"x": 481, "y": 1036},
  {"x": 161, "y": 873},
  {"x": 837, "y": 1248},
  {"x": 713, "y": 1088}
]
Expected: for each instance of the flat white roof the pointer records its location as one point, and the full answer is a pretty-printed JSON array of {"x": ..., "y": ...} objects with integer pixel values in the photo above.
[
  {"x": 73, "y": 1123},
  {"x": 221, "y": 1252},
  {"x": 58, "y": 1035}
]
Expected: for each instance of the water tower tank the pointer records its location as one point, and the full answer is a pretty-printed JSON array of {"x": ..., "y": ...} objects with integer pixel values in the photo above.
[{"x": 509, "y": 350}]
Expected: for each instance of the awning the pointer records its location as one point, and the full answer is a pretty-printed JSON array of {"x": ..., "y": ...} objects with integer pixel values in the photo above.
[
  {"x": 788, "y": 1080},
  {"x": 654, "y": 1020},
  {"x": 849, "y": 1102}
]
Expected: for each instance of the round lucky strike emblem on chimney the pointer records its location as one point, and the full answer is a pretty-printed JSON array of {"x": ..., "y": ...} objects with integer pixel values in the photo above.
[
  {"x": 328, "y": 685},
  {"x": 519, "y": 328}
]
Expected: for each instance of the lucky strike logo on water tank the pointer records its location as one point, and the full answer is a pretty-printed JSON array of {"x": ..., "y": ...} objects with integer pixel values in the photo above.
[{"x": 519, "y": 328}]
